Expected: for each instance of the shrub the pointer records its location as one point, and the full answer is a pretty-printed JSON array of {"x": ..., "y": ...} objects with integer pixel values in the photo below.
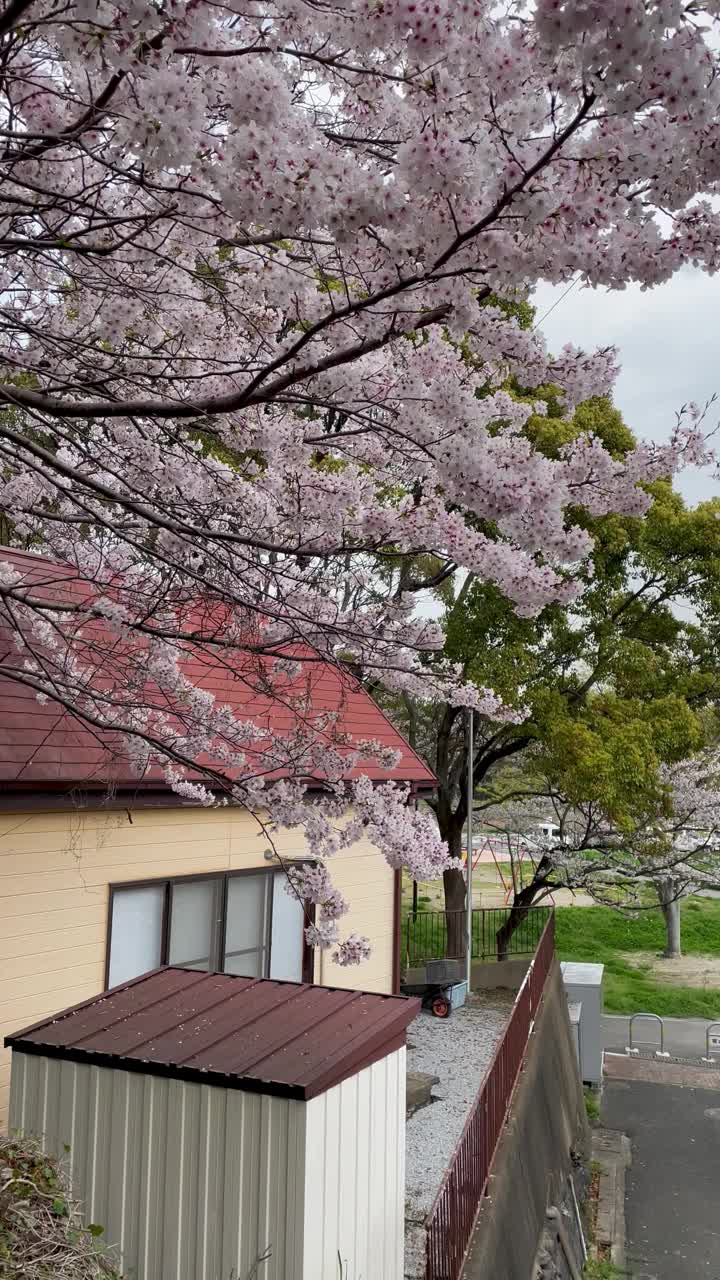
[{"x": 41, "y": 1232}]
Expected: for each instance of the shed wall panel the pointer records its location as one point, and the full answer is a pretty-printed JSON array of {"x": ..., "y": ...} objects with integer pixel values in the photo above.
[
  {"x": 100, "y": 1124},
  {"x": 379, "y": 1191},
  {"x": 356, "y": 1194},
  {"x": 211, "y": 1182},
  {"x": 55, "y": 873},
  {"x": 171, "y": 1173},
  {"x": 189, "y": 1181},
  {"x": 130, "y": 1239},
  {"x": 152, "y": 1176},
  {"x": 332, "y": 1189}
]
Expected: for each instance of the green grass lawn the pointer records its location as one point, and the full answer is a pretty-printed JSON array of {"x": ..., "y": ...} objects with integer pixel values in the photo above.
[{"x": 599, "y": 934}]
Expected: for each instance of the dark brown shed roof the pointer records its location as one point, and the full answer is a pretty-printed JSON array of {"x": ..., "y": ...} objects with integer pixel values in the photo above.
[{"x": 283, "y": 1038}]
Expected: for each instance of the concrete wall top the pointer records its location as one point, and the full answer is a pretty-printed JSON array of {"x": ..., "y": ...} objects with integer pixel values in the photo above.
[{"x": 582, "y": 975}]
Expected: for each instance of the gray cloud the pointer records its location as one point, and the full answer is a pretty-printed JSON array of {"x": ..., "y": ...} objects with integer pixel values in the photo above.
[{"x": 669, "y": 344}]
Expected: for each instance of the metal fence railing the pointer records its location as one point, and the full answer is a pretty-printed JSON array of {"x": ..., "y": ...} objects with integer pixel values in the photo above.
[
  {"x": 437, "y": 935},
  {"x": 449, "y": 1225}
]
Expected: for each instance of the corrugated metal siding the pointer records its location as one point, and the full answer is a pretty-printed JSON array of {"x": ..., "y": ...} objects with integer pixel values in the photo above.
[
  {"x": 356, "y": 1176},
  {"x": 190, "y": 1182},
  {"x": 55, "y": 869}
]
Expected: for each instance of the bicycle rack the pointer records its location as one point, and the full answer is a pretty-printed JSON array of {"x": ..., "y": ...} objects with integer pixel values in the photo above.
[
  {"x": 659, "y": 1053},
  {"x": 708, "y": 1032}
]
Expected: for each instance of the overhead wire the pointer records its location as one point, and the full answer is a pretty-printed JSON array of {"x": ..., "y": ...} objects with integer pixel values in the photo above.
[{"x": 556, "y": 303}]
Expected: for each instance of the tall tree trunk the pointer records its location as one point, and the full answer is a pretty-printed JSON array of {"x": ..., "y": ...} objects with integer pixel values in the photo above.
[
  {"x": 520, "y": 904},
  {"x": 670, "y": 906},
  {"x": 455, "y": 903}
]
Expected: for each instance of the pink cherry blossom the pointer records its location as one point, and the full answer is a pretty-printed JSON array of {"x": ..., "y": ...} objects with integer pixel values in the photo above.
[{"x": 255, "y": 267}]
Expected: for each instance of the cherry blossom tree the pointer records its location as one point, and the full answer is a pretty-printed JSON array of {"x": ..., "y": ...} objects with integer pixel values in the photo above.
[
  {"x": 678, "y": 852},
  {"x": 668, "y": 844},
  {"x": 249, "y": 253}
]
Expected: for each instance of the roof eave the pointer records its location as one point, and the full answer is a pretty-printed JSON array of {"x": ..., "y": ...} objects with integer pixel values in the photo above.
[{"x": 46, "y": 796}]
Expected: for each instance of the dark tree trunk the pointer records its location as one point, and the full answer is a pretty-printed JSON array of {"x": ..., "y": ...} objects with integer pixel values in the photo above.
[
  {"x": 450, "y": 808},
  {"x": 518, "y": 911},
  {"x": 455, "y": 903},
  {"x": 670, "y": 907},
  {"x": 455, "y": 913}
]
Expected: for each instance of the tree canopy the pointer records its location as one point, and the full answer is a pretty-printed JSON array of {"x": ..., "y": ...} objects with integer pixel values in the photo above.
[
  {"x": 609, "y": 691},
  {"x": 244, "y": 252}
]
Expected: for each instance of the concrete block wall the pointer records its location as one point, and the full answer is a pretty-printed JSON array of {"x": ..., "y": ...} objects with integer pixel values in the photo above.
[
  {"x": 486, "y": 976},
  {"x": 546, "y": 1136}
]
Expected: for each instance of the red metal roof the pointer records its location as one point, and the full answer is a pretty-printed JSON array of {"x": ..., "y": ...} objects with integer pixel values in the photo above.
[
  {"x": 283, "y": 1038},
  {"x": 45, "y": 745}
]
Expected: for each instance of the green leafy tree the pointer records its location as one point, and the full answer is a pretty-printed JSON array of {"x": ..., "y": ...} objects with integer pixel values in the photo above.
[{"x": 609, "y": 690}]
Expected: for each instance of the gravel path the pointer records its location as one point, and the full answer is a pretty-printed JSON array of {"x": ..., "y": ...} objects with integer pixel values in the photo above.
[{"x": 459, "y": 1051}]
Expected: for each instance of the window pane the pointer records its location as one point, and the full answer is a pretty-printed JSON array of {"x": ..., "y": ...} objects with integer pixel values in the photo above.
[
  {"x": 247, "y": 925},
  {"x": 194, "y": 915},
  {"x": 136, "y": 938},
  {"x": 246, "y": 964},
  {"x": 286, "y": 938}
]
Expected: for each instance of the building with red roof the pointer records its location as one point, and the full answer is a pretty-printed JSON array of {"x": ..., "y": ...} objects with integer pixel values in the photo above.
[{"x": 108, "y": 873}]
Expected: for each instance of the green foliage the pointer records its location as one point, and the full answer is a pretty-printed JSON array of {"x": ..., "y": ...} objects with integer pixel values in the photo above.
[
  {"x": 609, "y": 749},
  {"x": 598, "y": 417},
  {"x": 551, "y": 430},
  {"x": 518, "y": 309},
  {"x": 592, "y": 1105},
  {"x": 211, "y": 276},
  {"x": 329, "y": 284},
  {"x": 601, "y": 1269},
  {"x": 616, "y": 685},
  {"x": 495, "y": 647}
]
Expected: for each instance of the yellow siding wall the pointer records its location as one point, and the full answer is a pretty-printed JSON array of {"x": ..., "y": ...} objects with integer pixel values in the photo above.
[{"x": 55, "y": 869}]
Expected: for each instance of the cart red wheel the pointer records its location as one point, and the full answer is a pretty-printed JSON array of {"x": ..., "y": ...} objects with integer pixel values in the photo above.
[{"x": 441, "y": 1006}]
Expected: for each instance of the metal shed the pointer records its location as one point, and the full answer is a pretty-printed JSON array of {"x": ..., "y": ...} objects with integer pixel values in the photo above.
[{"x": 221, "y": 1127}]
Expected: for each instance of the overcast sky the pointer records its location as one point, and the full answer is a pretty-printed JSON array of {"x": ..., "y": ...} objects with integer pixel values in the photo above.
[{"x": 669, "y": 344}]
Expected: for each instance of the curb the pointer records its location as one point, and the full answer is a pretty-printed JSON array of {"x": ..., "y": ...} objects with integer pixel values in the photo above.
[{"x": 611, "y": 1151}]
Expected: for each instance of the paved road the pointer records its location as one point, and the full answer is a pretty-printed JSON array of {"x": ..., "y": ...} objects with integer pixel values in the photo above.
[
  {"x": 673, "y": 1227},
  {"x": 684, "y": 1037}
]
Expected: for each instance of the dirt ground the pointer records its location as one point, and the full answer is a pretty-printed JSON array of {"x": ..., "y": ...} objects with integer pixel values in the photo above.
[
  {"x": 687, "y": 971},
  {"x": 488, "y": 891}
]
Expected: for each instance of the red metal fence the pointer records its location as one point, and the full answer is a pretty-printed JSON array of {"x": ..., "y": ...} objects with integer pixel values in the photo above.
[{"x": 451, "y": 1220}]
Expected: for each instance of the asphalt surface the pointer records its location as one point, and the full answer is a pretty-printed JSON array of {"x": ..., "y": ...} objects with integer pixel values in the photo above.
[
  {"x": 684, "y": 1037},
  {"x": 671, "y": 1203}
]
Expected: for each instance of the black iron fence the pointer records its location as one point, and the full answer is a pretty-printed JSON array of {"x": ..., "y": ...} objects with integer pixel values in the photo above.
[{"x": 438, "y": 935}]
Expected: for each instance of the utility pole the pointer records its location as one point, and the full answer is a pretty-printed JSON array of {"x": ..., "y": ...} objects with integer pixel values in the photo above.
[
  {"x": 469, "y": 871},
  {"x": 415, "y": 892}
]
